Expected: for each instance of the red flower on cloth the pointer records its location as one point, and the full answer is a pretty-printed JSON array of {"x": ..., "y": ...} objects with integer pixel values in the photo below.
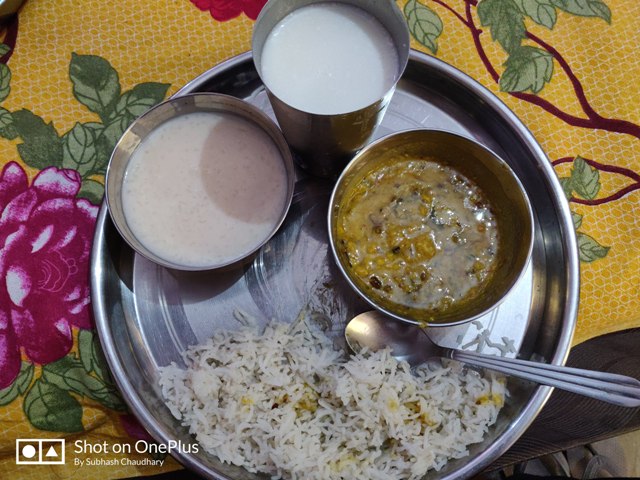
[
  {"x": 223, "y": 10},
  {"x": 45, "y": 242}
]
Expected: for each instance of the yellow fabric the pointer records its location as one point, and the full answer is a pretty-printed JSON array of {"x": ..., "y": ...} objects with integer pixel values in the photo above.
[{"x": 171, "y": 41}]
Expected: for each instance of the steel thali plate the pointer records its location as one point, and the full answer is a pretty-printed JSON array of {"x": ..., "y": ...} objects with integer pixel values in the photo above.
[{"x": 146, "y": 314}]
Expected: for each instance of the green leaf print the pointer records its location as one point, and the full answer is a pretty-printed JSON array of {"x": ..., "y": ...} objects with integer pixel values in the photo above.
[
  {"x": 589, "y": 249},
  {"x": 5, "y": 82},
  {"x": 91, "y": 355},
  {"x": 108, "y": 137},
  {"x": 87, "y": 147},
  {"x": 41, "y": 147},
  {"x": 9, "y": 394},
  {"x": 19, "y": 385},
  {"x": 95, "y": 127},
  {"x": 505, "y": 21},
  {"x": 69, "y": 374},
  {"x": 567, "y": 187},
  {"x": 424, "y": 24},
  {"x": 542, "y": 12},
  {"x": 4, "y": 49},
  {"x": 95, "y": 83},
  {"x": 585, "y": 180},
  {"x": 7, "y": 129},
  {"x": 51, "y": 408},
  {"x": 585, "y": 8},
  {"x": 80, "y": 151},
  {"x": 527, "y": 68},
  {"x": 91, "y": 190},
  {"x": 25, "y": 377},
  {"x": 140, "y": 98},
  {"x": 577, "y": 220}
]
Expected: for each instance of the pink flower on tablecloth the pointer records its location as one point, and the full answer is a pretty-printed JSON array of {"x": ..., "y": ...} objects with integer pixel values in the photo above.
[
  {"x": 45, "y": 243},
  {"x": 223, "y": 10}
]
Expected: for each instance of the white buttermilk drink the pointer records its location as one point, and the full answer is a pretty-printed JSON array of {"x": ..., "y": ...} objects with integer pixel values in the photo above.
[
  {"x": 329, "y": 58},
  {"x": 204, "y": 188}
]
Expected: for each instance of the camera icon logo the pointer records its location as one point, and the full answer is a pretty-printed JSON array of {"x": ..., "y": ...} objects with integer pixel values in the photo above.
[{"x": 40, "y": 451}]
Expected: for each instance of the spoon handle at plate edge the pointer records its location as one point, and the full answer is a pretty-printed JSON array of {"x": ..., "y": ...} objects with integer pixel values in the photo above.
[{"x": 608, "y": 387}]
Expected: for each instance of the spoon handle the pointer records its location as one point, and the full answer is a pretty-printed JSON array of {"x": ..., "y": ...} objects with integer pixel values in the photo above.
[{"x": 608, "y": 387}]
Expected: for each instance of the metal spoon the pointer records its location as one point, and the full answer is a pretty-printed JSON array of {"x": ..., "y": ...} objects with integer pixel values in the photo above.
[{"x": 375, "y": 330}]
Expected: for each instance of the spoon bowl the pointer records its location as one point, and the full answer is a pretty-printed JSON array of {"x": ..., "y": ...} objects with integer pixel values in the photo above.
[{"x": 374, "y": 330}]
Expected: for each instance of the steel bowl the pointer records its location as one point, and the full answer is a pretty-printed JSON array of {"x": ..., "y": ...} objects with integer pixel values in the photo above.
[
  {"x": 507, "y": 199},
  {"x": 151, "y": 120}
]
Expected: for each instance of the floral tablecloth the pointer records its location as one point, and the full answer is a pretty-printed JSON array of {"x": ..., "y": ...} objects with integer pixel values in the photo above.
[{"x": 75, "y": 73}]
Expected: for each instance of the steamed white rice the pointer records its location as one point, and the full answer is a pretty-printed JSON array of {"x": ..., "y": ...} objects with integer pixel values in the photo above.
[{"x": 286, "y": 403}]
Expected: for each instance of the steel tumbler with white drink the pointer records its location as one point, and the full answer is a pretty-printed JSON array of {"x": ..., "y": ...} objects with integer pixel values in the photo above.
[{"x": 330, "y": 69}]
